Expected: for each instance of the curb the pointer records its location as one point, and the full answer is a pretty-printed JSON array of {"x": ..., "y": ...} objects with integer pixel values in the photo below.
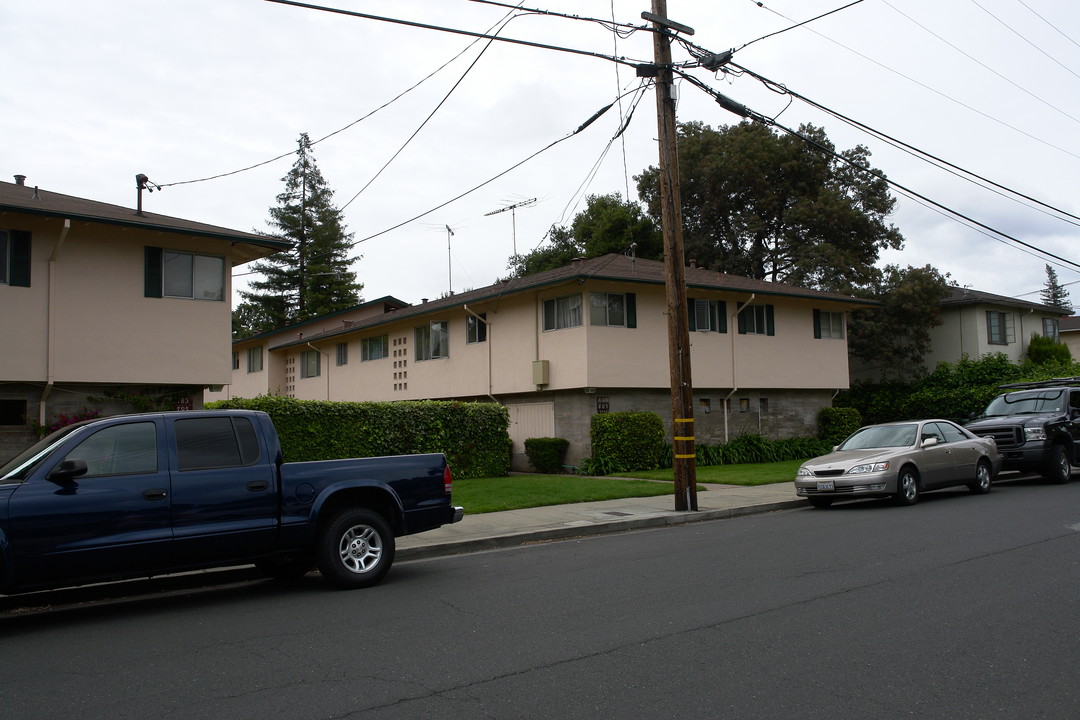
[{"x": 608, "y": 527}]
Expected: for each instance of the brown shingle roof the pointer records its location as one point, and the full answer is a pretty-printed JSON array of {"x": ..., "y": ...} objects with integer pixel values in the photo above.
[
  {"x": 607, "y": 267},
  {"x": 35, "y": 201}
]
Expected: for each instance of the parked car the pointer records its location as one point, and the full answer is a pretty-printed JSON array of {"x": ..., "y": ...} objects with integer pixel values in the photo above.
[{"x": 900, "y": 460}]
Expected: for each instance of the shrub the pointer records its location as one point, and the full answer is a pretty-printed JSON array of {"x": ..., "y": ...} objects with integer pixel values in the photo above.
[
  {"x": 547, "y": 455},
  {"x": 1047, "y": 351},
  {"x": 473, "y": 436},
  {"x": 837, "y": 423},
  {"x": 630, "y": 440}
]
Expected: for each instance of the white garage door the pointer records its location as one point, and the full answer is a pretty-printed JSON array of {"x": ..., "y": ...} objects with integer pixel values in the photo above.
[{"x": 530, "y": 420}]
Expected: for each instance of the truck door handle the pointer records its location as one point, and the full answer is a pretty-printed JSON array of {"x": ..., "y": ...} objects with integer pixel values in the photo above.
[
  {"x": 154, "y": 494},
  {"x": 258, "y": 486}
]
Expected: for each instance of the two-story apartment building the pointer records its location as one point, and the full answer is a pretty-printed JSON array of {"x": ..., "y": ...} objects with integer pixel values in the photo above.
[
  {"x": 99, "y": 303},
  {"x": 559, "y": 346}
]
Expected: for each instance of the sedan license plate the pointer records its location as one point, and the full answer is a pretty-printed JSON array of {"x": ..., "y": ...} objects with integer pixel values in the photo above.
[{"x": 825, "y": 485}]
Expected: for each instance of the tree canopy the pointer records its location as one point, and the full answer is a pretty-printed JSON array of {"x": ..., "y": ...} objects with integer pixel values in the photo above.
[
  {"x": 607, "y": 224},
  {"x": 313, "y": 278},
  {"x": 774, "y": 207}
]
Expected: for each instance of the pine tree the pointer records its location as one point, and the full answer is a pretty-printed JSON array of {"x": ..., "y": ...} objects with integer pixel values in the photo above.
[
  {"x": 313, "y": 278},
  {"x": 1054, "y": 294}
]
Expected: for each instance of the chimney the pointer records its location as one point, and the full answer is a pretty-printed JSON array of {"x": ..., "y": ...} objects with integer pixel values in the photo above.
[{"x": 20, "y": 180}]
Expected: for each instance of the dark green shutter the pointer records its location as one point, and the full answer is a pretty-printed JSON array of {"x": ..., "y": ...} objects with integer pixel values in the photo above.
[
  {"x": 742, "y": 318},
  {"x": 817, "y": 324},
  {"x": 20, "y": 258},
  {"x": 152, "y": 274},
  {"x": 691, "y": 314},
  {"x": 721, "y": 306},
  {"x": 631, "y": 310},
  {"x": 770, "y": 322}
]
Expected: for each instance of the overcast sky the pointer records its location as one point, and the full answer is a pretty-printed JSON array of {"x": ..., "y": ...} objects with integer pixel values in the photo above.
[{"x": 95, "y": 92}]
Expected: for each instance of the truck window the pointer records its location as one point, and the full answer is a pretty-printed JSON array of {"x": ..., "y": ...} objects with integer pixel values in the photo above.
[
  {"x": 119, "y": 450},
  {"x": 215, "y": 442}
]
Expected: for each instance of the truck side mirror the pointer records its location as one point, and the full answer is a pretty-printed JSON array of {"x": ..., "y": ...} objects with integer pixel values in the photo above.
[{"x": 67, "y": 470}]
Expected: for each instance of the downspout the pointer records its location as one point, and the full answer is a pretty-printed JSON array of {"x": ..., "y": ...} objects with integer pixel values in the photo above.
[
  {"x": 50, "y": 344},
  {"x": 327, "y": 355},
  {"x": 488, "y": 330},
  {"x": 734, "y": 374}
]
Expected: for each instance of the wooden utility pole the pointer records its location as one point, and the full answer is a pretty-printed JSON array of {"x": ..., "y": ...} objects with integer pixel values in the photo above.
[{"x": 682, "y": 391}]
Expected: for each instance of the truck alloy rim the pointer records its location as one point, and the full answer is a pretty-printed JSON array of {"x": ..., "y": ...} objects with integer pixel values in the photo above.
[{"x": 360, "y": 548}]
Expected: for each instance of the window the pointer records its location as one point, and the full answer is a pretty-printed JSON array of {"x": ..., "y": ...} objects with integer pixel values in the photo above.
[
  {"x": 374, "y": 348},
  {"x": 15, "y": 258},
  {"x": 310, "y": 364},
  {"x": 476, "y": 328},
  {"x": 342, "y": 354},
  {"x": 706, "y": 315},
  {"x": 757, "y": 320},
  {"x": 215, "y": 442},
  {"x": 613, "y": 309},
  {"x": 255, "y": 359},
  {"x": 236, "y": 361},
  {"x": 562, "y": 312},
  {"x": 1050, "y": 328},
  {"x": 184, "y": 275},
  {"x": 12, "y": 412},
  {"x": 999, "y": 328},
  {"x": 119, "y": 450},
  {"x": 828, "y": 324},
  {"x": 432, "y": 341}
]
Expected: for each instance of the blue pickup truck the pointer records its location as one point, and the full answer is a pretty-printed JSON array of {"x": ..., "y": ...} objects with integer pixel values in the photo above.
[{"x": 154, "y": 493}]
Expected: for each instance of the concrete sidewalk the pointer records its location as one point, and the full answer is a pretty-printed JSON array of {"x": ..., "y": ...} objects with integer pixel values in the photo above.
[{"x": 488, "y": 531}]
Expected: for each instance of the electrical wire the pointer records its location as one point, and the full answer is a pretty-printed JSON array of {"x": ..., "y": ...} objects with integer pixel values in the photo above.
[
  {"x": 804, "y": 22},
  {"x": 428, "y": 118},
  {"x": 1017, "y": 34},
  {"x": 622, "y": 30},
  {"x": 745, "y": 112},
  {"x": 921, "y": 154},
  {"x": 945, "y": 96}
]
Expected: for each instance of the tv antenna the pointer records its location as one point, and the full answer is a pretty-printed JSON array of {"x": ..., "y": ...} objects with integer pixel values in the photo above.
[
  {"x": 449, "y": 263},
  {"x": 513, "y": 215}
]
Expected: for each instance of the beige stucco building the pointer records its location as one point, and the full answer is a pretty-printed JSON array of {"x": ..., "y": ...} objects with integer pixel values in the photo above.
[
  {"x": 101, "y": 302},
  {"x": 559, "y": 346}
]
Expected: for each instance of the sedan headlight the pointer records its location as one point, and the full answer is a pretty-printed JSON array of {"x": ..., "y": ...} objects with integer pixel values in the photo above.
[
  {"x": 868, "y": 468},
  {"x": 1034, "y": 433},
  {"x": 805, "y": 472}
]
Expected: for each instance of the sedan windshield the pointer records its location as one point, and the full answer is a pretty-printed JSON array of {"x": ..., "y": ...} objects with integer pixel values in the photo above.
[
  {"x": 881, "y": 436},
  {"x": 1031, "y": 401}
]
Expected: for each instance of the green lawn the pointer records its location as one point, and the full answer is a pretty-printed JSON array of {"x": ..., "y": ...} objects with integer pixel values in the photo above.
[{"x": 482, "y": 495}]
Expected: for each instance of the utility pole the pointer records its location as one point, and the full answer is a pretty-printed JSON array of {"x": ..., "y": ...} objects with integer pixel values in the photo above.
[{"x": 682, "y": 391}]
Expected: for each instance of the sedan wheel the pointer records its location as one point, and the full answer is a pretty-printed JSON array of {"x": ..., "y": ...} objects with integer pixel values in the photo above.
[
  {"x": 907, "y": 487},
  {"x": 981, "y": 486}
]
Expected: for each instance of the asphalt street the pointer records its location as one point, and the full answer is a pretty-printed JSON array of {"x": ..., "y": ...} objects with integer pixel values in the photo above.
[{"x": 962, "y": 606}]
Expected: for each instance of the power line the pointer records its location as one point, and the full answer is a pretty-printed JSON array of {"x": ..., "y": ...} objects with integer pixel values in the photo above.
[{"x": 745, "y": 112}]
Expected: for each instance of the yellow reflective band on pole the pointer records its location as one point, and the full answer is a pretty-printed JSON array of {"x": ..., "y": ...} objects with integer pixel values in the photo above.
[
  {"x": 685, "y": 438},
  {"x": 684, "y": 457},
  {"x": 684, "y": 419}
]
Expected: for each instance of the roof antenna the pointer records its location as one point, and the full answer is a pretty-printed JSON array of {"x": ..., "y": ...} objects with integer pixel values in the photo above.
[{"x": 143, "y": 183}]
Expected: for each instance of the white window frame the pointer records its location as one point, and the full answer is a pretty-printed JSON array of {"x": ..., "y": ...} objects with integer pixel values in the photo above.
[
  {"x": 562, "y": 312},
  {"x": 433, "y": 341},
  {"x": 374, "y": 348},
  {"x": 607, "y": 309},
  {"x": 475, "y": 329},
  {"x": 342, "y": 354},
  {"x": 255, "y": 359},
  {"x": 310, "y": 364},
  {"x": 192, "y": 276}
]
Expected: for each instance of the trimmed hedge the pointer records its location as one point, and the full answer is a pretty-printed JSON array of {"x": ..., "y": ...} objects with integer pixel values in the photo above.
[
  {"x": 835, "y": 424},
  {"x": 473, "y": 436},
  {"x": 627, "y": 440},
  {"x": 547, "y": 455}
]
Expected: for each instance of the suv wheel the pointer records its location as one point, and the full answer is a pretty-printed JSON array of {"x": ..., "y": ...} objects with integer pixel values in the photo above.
[{"x": 1057, "y": 467}]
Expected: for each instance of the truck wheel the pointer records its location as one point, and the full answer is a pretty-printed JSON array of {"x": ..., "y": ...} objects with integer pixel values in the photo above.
[
  {"x": 907, "y": 487},
  {"x": 286, "y": 568},
  {"x": 355, "y": 548},
  {"x": 981, "y": 486},
  {"x": 1057, "y": 467}
]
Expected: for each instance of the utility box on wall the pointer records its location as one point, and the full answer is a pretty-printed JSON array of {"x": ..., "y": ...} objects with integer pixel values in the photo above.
[{"x": 541, "y": 372}]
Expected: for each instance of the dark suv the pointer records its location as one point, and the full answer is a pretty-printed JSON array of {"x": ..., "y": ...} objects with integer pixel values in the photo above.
[{"x": 1036, "y": 426}]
